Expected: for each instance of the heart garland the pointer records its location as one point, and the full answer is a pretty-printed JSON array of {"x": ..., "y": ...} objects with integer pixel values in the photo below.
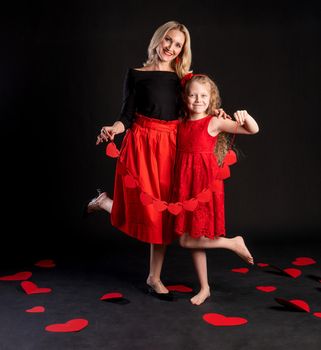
[{"x": 191, "y": 204}]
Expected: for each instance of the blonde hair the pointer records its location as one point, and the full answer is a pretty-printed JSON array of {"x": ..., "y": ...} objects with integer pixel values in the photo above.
[
  {"x": 223, "y": 140},
  {"x": 182, "y": 63}
]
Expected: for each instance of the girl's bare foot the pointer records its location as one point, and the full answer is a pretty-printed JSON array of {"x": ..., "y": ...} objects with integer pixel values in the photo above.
[
  {"x": 201, "y": 296},
  {"x": 241, "y": 250}
]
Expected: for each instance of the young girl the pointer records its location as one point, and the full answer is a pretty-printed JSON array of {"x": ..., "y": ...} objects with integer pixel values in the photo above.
[{"x": 201, "y": 147}]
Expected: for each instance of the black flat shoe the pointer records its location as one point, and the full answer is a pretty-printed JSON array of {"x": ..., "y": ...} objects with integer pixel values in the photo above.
[
  {"x": 161, "y": 296},
  {"x": 85, "y": 213}
]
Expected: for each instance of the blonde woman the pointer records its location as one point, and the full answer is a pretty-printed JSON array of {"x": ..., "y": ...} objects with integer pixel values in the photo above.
[{"x": 151, "y": 106}]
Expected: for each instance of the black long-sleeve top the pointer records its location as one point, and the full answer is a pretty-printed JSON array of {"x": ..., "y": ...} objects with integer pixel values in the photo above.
[{"x": 154, "y": 94}]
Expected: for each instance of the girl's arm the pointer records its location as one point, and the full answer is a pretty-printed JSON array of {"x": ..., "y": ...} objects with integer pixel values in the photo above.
[{"x": 243, "y": 124}]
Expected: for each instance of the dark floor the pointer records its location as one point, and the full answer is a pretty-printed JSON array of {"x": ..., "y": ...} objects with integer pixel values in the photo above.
[{"x": 95, "y": 265}]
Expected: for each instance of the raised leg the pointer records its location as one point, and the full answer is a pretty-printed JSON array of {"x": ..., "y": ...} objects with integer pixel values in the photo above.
[{"x": 236, "y": 244}]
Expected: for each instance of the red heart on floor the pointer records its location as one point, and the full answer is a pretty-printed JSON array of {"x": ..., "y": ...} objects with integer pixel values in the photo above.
[
  {"x": 241, "y": 270},
  {"x": 191, "y": 204},
  {"x": 129, "y": 181},
  {"x": 36, "y": 309},
  {"x": 45, "y": 263},
  {"x": 204, "y": 196},
  {"x": 266, "y": 289},
  {"x": 114, "y": 295},
  {"x": 217, "y": 186},
  {"x": 317, "y": 314},
  {"x": 32, "y": 288},
  {"x": 112, "y": 151},
  {"x": 175, "y": 208},
  {"x": 179, "y": 288},
  {"x": 221, "y": 320},
  {"x": 20, "y": 276},
  {"x": 262, "y": 265},
  {"x": 74, "y": 325},
  {"x": 159, "y": 205},
  {"x": 294, "y": 304},
  {"x": 292, "y": 272},
  {"x": 303, "y": 261},
  {"x": 145, "y": 198}
]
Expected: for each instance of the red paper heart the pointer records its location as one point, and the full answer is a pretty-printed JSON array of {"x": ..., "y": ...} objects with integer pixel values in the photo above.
[
  {"x": 145, "y": 198},
  {"x": 317, "y": 314},
  {"x": 217, "y": 186},
  {"x": 114, "y": 295},
  {"x": 191, "y": 204},
  {"x": 179, "y": 288},
  {"x": 175, "y": 208},
  {"x": 266, "y": 289},
  {"x": 303, "y": 261},
  {"x": 159, "y": 205},
  {"x": 129, "y": 181},
  {"x": 241, "y": 270},
  {"x": 36, "y": 309},
  {"x": 20, "y": 276},
  {"x": 112, "y": 151},
  {"x": 230, "y": 158},
  {"x": 204, "y": 196},
  {"x": 263, "y": 265},
  {"x": 74, "y": 325},
  {"x": 221, "y": 320},
  {"x": 294, "y": 304},
  {"x": 223, "y": 172},
  {"x": 32, "y": 288},
  {"x": 45, "y": 263},
  {"x": 292, "y": 272}
]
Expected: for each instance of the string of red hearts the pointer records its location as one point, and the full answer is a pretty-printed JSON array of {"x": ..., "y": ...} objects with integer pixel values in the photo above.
[{"x": 190, "y": 204}]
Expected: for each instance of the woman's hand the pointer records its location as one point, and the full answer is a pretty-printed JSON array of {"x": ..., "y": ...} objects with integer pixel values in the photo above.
[
  {"x": 108, "y": 132},
  {"x": 220, "y": 113}
]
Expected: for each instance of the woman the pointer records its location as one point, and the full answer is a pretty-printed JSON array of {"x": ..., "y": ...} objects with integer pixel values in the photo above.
[{"x": 151, "y": 106}]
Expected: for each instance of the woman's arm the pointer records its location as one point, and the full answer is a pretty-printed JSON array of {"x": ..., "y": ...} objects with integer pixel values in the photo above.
[{"x": 243, "y": 124}]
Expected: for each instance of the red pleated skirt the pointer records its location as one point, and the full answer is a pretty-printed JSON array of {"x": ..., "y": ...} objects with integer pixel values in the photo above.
[{"x": 148, "y": 155}]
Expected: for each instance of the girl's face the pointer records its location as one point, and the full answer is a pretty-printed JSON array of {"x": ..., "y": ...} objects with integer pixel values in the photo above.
[
  {"x": 197, "y": 99},
  {"x": 171, "y": 45}
]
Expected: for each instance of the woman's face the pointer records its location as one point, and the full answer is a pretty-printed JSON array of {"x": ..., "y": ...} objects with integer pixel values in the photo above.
[{"x": 171, "y": 45}]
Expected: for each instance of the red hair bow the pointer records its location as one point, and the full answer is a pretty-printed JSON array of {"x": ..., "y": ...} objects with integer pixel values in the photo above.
[{"x": 188, "y": 77}]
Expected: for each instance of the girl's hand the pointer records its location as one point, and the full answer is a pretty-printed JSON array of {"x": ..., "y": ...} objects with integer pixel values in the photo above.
[
  {"x": 241, "y": 116},
  {"x": 220, "y": 113},
  {"x": 109, "y": 132}
]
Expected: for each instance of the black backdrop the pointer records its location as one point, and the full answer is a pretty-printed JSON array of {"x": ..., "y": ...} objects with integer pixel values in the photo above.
[{"x": 62, "y": 70}]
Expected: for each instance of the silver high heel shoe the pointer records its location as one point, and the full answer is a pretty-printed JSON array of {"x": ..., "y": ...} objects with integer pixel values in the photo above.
[{"x": 92, "y": 204}]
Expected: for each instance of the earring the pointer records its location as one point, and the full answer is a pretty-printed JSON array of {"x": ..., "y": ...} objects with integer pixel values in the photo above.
[{"x": 177, "y": 60}]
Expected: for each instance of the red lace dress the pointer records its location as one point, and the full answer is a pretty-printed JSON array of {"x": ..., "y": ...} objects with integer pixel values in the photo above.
[{"x": 196, "y": 168}]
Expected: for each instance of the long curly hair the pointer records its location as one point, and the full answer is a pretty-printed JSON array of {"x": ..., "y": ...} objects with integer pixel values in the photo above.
[
  {"x": 223, "y": 140},
  {"x": 182, "y": 63}
]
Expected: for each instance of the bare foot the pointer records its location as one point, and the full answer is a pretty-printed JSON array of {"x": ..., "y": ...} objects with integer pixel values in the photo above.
[
  {"x": 157, "y": 285},
  {"x": 96, "y": 203},
  {"x": 241, "y": 250},
  {"x": 201, "y": 296}
]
